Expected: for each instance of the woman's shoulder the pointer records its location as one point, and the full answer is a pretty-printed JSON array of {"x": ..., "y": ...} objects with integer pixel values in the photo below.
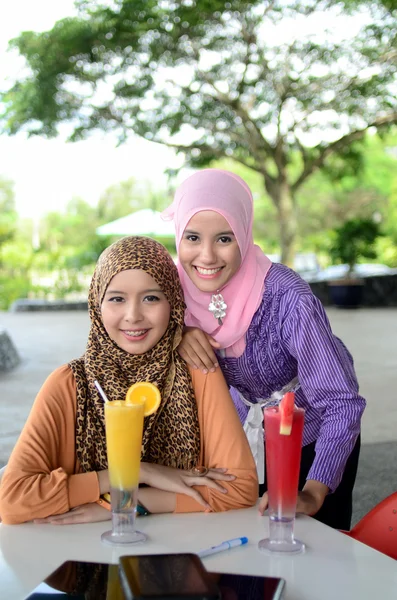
[
  {"x": 282, "y": 281},
  {"x": 59, "y": 388},
  {"x": 63, "y": 375},
  {"x": 284, "y": 290},
  {"x": 281, "y": 277}
]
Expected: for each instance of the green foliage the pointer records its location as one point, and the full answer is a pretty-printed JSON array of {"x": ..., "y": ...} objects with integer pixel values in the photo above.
[
  {"x": 353, "y": 240},
  {"x": 13, "y": 288},
  {"x": 390, "y": 5},
  {"x": 391, "y": 221},
  {"x": 386, "y": 251},
  {"x": 325, "y": 203},
  {"x": 15, "y": 263},
  {"x": 8, "y": 215}
]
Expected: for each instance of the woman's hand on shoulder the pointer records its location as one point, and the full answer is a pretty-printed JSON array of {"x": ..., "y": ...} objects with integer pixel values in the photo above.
[
  {"x": 196, "y": 348},
  {"x": 181, "y": 481},
  {"x": 86, "y": 513}
]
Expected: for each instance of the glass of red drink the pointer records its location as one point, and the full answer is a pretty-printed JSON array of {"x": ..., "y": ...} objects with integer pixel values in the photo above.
[{"x": 283, "y": 454}]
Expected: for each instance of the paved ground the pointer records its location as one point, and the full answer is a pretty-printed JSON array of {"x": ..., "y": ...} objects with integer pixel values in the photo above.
[{"x": 45, "y": 340}]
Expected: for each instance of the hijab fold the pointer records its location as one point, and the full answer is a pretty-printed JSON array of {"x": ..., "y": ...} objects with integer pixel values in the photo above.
[
  {"x": 171, "y": 435},
  {"x": 227, "y": 194}
]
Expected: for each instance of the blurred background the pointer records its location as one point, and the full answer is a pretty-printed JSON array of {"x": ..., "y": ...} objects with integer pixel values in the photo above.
[{"x": 105, "y": 106}]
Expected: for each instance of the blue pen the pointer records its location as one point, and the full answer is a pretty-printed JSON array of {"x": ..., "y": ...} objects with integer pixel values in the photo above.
[{"x": 224, "y": 546}]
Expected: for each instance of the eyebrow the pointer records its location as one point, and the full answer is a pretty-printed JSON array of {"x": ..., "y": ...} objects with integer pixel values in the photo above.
[
  {"x": 157, "y": 290},
  {"x": 190, "y": 232}
]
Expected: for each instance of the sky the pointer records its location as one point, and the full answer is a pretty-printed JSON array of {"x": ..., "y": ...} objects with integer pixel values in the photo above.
[{"x": 49, "y": 173}]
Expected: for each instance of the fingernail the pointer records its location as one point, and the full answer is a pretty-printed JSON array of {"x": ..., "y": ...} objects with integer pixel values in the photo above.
[
  {"x": 216, "y": 365},
  {"x": 224, "y": 491},
  {"x": 212, "y": 370},
  {"x": 205, "y": 371},
  {"x": 232, "y": 477},
  {"x": 195, "y": 367}
]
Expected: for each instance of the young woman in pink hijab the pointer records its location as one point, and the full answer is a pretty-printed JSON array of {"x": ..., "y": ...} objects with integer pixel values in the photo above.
[{"x": 260, "y": 322}]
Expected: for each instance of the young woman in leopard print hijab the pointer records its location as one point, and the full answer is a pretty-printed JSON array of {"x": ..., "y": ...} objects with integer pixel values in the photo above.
[
  {"x": 171, "y": 435},
  {"x": 58, "y": 469}
]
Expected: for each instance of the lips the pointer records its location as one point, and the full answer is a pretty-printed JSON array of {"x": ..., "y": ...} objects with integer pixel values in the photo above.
[
  {"x": 136, "y": 335},
  {"x": 204, "y": 272}
]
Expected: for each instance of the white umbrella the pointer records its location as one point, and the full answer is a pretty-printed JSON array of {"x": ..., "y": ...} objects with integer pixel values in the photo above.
[{"x": 143, "y": 222}]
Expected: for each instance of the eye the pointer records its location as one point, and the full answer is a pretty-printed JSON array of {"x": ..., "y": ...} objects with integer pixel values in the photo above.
[
  {"x": 151, "y": 299},
  {"x": 116, "y": 299},
  {"x": 225, "y": 239},
  {"x": 192, "y": 237}
]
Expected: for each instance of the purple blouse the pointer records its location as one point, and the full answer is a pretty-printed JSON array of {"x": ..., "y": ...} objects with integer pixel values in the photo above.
[{"x": 290, "y": 335}]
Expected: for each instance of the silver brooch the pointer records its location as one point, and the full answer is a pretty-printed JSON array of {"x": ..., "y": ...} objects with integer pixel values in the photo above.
[{"x": 218, "y": 307}]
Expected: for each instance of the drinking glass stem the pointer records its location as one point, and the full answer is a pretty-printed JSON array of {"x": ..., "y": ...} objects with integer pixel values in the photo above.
[
  {"x": 281, "y": 530},
  {"x": 123, "y": 504}
]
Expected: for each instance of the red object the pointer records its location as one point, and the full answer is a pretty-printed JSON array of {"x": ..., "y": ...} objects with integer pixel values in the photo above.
[
  {"x": 286, "y": 409},
  {"x": 378, "y": 528},
  {"x": 283, "y": 454}
]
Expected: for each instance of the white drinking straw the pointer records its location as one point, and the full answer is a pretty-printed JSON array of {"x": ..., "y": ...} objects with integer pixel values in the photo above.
[{"x": 100, "y": 390}]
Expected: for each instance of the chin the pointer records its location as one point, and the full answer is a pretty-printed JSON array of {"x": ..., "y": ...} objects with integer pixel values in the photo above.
[{"x": 206, "y": 286}]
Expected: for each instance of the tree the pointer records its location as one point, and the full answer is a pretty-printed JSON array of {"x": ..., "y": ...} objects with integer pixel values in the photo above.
[
  {"x": 326, "y": 201},
  {"x": 353, "y": 240},
  {"x": 216, "y": 79}
]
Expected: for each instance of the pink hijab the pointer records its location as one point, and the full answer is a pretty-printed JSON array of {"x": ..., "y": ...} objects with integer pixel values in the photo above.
[{"x": 227, "y": 194}]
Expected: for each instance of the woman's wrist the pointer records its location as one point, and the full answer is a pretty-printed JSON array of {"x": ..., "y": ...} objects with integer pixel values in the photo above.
[
  {"x": 144, "y": 473},
  {"x": 157, "y": 501},
  {"x": 317, "y": 489},
  {"x": 147, "y": 474}
]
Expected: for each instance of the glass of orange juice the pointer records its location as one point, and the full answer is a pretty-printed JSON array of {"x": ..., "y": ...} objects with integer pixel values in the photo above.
[{"x": 124, "y": 429}]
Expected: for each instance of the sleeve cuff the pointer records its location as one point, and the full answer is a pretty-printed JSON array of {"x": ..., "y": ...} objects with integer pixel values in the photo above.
[
  {"x": 83, "y": 488},
  {"x": 331, "y": 482}
]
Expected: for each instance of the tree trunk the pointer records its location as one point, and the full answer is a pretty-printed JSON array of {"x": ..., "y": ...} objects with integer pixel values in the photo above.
[{"x": 284, "y": 201}]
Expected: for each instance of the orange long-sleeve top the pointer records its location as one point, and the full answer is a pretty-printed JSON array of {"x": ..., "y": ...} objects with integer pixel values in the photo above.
[{"x": 43, "y": 476}]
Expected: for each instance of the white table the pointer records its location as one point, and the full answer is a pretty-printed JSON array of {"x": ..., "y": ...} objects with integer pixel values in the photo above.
[{"x": 334, "y": 567}]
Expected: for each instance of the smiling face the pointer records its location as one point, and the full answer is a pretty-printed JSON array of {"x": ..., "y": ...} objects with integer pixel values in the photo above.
[
  {"x": 135, "y": 311},
  {"x": 208, "y": 251}
]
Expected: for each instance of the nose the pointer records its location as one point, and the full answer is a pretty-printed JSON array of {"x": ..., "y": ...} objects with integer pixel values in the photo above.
[
  {"x": 133, "y": 312},
  {"x": 207, "y": 254}
]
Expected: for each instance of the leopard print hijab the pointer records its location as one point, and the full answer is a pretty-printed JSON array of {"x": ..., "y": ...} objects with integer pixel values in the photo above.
[{"x": 171, "y": 435}]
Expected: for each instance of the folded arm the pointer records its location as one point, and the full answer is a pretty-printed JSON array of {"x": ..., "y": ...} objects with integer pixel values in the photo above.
[
  {"x": 40, "y": 478},
  {"x": 223, "y": 445}
]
